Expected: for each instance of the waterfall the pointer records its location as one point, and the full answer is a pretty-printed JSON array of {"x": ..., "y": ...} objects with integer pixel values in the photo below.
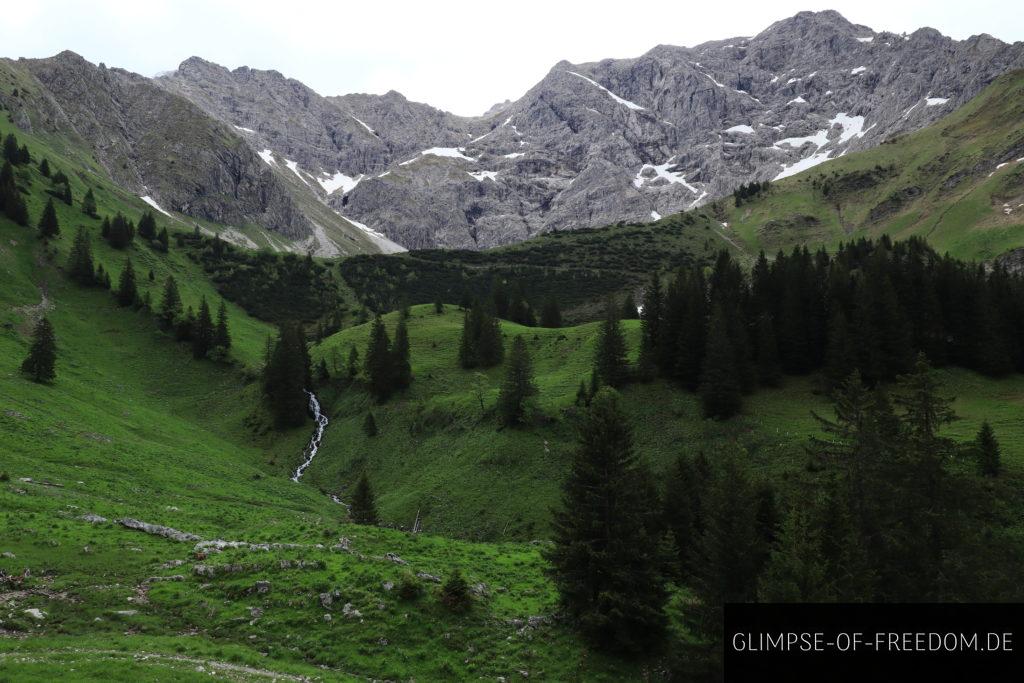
[{"x": 318, "y": 434}]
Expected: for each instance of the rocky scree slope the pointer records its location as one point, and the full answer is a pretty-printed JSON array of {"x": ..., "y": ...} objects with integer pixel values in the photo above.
[{"x": 616, "y": 140}]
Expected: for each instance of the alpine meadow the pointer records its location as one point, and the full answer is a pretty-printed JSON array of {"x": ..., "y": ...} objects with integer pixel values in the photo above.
[{"x": 326, "y": 388}]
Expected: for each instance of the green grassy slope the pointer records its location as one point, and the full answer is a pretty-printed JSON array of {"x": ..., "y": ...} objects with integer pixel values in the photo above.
[
  {"x": 950, "y": 183},
  {"x": 438, "y": 455},
  {"x": 134, "y": 427}
]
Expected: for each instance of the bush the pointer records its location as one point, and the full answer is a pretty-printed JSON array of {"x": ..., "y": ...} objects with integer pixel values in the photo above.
[
  {"x": 455, "y": 593},
  {"x": 409, "y": 586}
]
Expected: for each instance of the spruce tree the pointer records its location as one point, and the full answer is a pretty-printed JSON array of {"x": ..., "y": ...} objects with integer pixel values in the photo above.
[
  {"x": 147, "y": 226},
  {"x": 323, "y": 374},
  {"x": 490, "y": 349},
  {"x": 363, "y": 508},
  {"x": 222, "y": 334},
  {"x": 769, "y": 370},
  {"x": 378, "y": 362},
  {"x": 11, "y": 151},
  {"x": 467, "y": 341},
  {"x": 127, "y": 293},
  {"x": 840, "y": 353},
  {"x": 455, "y": 592},
  {"x": 80, "y": 266},
  {"x": 629, "y": 311},
  {"x": 163, "y": 240},
  {"x": 610, "y": 364},
  {"x": 986, "y": 451},
  {"x": 438, "y": 306},
  {"x": 286, "y": 376},
  {"x": 119, "y": 232},
  {"x": 720, "y": 387},
  {"x": 687, "y": 482},
  {"x": 605, "y": 563},
  {"x": 550, "y": 315},
  {"x": 48, "y": 224},
  {"x": 170, "y": 304},
  {"x": 44, "y": 168},
  {"x": 400, "y": 366},
  {"x": 89, "y": 204},
  {"x": 650, "y": 327},
  {"x": 353, "y": 362},
  {"x": 40, "y": 365},
  {"x": 370, "y": 425},
  {"x": 518, "y": 386},
  {"x": 730, "y": 550},
  {"x": 203, "y": 333},
  {"x": 796, "y": 570}
]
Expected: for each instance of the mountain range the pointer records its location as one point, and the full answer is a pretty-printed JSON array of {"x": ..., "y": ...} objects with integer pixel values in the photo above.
[{"x": 590, "y": 145}]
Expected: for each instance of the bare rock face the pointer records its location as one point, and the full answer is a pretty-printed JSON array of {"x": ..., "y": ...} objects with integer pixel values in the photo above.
[
  {"x": 593, "y": 144},
  {"x": 155, "y": 143},
  {"x": 590, "y": 144}
]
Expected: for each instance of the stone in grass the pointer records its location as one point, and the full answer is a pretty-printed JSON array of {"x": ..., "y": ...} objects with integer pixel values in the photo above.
[
  {"x": 394, "y": 558},
  {"x": 351, "y": 612},
  {"x": 262, "y": 587},
  {"x": 35, "y": 613}
]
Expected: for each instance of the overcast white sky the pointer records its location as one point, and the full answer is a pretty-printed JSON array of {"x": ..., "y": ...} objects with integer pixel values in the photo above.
[{"x": 459, "y": 55}]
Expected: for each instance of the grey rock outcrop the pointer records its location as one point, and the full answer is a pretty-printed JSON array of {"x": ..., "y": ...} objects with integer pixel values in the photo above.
[
  {"x": 616, "y": 140},
  {"x": 154, "y": 143}
]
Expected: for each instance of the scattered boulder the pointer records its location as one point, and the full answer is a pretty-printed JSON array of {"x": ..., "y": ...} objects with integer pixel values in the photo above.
[
  {"x": 8, "y": 555},
  {"x": 93, "y": 519},
  {"x": 158, "y": 579},
  {"x": 158, "y": 530},
  {"x": 35, "y": 613},
  {"x": 394, "y": 558},
  {"x": 428, "y": 577},
  {"x": 262, "y": 587},
  {"x": 326, "y": 600},
  {"x": 387, "y": 585},
  {"x": 351, "y": 612}
]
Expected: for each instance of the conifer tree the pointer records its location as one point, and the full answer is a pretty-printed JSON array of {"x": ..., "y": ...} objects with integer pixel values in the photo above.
[
  {"x": 610, "y": 364},
  {"x": 438, "y": 306},
  {"x": 730, "y": 551},
  {"x": 582, "y": 395},
  {"x": 11, "y": 151},
  {"x": 127, "y": 293},
  {"x": 550, "y": 314},
  {"x": 400, "y": 365},
  {"x": 40, "y": 365},
  {"x": 769, "y": 369},
  {"x": 163, "y": 240},
  {"x": 286, "y": 376},
  {"x": 605, "y": 563},
  {"x": 682, "y": 514},
  {"x": 11, "y": 201},
  {"x": 629, "y": 311},
  {"x": 650, "y": 327},
  {"x": 203, "y": 333},
  {"x": 222, "y": 334},
  {"x": 323, "y": 374},
  {"x": 353, "y": 362},
  {"x": 147, "y": 226},
  {"x": 518, "y": 386},
  {"x": 490, "y": 349},
  {"x": 89, "y": 204},
  {"x": 370, "y": 425},
  {"x": 455, "y": 592},
  {"x": 840, "y": 353},
  {"x": 48, "y": 225},
  {"x": 363, "y": 508},
  {"x": 720, "y": 387},
  {"x": 80, "y": 265},
  {"x": 986, "y": 451},
  {"x": 467, "y": 340},
  {"x": 170, "y": 304},
  {"x": 378, "y": 362},
  {"x": 796, "y": 570},
  {"x": 119, "y": 232},
  {"x": 44, "y": 168}
]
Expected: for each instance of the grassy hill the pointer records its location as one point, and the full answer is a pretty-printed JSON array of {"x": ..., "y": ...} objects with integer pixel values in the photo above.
[
  {"x": 134, "y": 427},
  {"x": 958, "y": 183},
  {"x": 439, "y": 456}
]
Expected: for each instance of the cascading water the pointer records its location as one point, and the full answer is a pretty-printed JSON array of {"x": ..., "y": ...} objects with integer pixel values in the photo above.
[{"x": 318, "y": 434}]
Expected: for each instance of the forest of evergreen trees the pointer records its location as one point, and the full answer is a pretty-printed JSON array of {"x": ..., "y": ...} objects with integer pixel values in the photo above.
[{"x": 871, "y": 307}]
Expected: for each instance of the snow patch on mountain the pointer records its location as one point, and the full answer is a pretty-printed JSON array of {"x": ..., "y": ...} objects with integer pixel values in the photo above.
[
  {"x": 338, "y": 180},
  {"x": 627, "y": 103},
  {"x": 152, "y": 202}
]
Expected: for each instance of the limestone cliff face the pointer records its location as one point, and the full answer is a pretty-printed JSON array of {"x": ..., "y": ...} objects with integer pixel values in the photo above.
[{"x": 589, "y": 145}]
